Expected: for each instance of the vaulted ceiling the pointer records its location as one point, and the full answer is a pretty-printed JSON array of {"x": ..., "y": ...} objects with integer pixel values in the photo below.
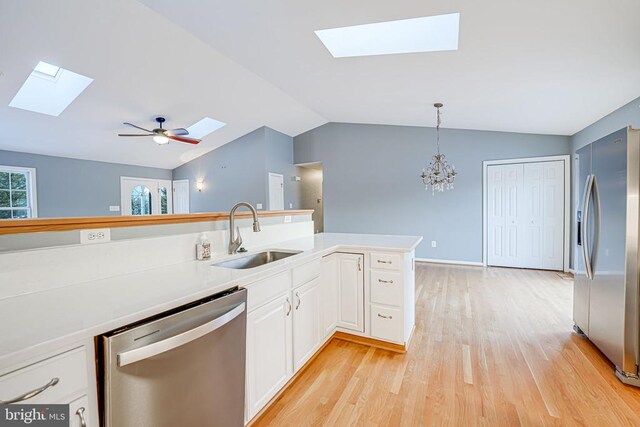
[{"x": 537, "y": 67}]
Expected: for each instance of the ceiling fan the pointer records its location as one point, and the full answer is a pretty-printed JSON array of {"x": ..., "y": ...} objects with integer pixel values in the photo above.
[{"x": 162, "y": 136}]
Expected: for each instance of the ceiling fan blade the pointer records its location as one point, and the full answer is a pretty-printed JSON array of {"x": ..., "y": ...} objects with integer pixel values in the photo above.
[
  {"x": 136, "y": 134},
  {"x": 137, "y": 127},
  {"x": 177, "y": 132},
  {"x": 181, "y": 139}
]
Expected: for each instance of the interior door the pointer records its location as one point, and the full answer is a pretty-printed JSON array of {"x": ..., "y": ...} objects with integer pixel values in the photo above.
[
  {"x": 553, "y": 214},
  {"x": 276, "y": 192},
  {"x": 505, "y": 184},
  {"x": 139, "y": 196},
  {"x": 181, "y": 196},
  {"x": 525, "y": 220}
]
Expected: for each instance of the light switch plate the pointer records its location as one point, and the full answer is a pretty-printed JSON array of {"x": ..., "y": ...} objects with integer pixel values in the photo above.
[
  {"x": 287, "y": 219},
  {"x": 433, "y": 244},
  {"x": 96, "y": 235}
]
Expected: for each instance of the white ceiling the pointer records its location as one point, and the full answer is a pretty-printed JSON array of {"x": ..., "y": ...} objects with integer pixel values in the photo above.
[
  {"x": 540, "y": 66},
  {"x": 142, "y": 65}
]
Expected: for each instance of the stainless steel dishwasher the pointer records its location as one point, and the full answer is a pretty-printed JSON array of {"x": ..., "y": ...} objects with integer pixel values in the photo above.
[{"x": 183, "y": 368}]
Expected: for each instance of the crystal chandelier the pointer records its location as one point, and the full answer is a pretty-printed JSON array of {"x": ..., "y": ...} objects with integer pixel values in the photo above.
[{"x": 440, "y": 174}]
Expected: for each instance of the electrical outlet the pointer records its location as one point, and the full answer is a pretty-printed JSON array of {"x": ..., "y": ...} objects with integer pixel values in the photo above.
[
  {"x": 99, "y": 235},
  {"x": 114, "y": 208},
  {"x": 258, "y": 205},
  {"x": 433, "y": 244},
  {"x": 287, "y": 218},
  {"x": 290, "y": 205}
]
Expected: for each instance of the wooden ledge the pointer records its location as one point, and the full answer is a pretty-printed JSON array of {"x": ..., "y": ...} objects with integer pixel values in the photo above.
[{"x": 17, "y": 226}]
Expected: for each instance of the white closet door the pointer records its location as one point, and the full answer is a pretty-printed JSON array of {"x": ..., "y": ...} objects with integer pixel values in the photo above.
[
  {"x": 553, "y": 216},
  {"x": 526, "y": 215},
  {"x": 504, "y": 194}
]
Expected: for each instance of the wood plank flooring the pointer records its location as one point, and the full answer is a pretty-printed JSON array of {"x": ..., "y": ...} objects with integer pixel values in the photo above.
[{"x": 491, "y": 347}]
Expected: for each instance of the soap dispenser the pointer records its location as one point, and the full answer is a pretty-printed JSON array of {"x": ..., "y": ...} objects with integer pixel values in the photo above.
[{"x": 203, "y": 248}]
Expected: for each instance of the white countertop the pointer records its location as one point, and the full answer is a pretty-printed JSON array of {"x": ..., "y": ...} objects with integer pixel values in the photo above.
[{"x": 73, "y": 313}]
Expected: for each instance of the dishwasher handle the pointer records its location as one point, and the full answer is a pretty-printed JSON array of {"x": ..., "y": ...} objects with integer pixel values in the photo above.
[{"x": 128, "y": 357}]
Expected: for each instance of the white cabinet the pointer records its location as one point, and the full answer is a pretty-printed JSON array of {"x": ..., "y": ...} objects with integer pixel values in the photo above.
[
  {"x": 306, "y": 322},
  {"x": 329, "y": 294},
  {"x": 350, "y": 291},
  {"x": 62, "y": 378},
  {"x": 269, "y": 352},
  {"x": 392, "y": 296},
  {"x": 79, "y": 412}
]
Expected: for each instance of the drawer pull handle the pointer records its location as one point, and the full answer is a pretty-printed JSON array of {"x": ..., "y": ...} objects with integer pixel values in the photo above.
[
  {"x": 384, "y": 262},
  {"x": 299, "y": 300},
  {"x": 289, "y": 306},
  {"x": 80, "y": 413},
  {"x": 386, "y": 281},
  {"x": 32, "y": 393},
  {"x": 385, "y": 317}
]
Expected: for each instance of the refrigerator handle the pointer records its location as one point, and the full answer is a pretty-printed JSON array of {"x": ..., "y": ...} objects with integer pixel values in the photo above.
[
  {"x": 595, "y": 217},
  {"x": 585, "y": 226}
]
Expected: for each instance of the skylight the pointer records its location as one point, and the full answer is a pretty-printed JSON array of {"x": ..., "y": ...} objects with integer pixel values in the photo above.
[
  {"x": 204, "y": 127},
  {"x": 426, "y": 34},
  {"x": 49, "y": 89},
  {"x": 48, "y": 69}
]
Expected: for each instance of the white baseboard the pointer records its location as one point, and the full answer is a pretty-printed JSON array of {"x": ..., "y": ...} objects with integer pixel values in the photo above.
[{"x": 448, "y": 261}]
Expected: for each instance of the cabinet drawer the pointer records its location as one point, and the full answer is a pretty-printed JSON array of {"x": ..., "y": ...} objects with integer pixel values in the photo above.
[
  {"x": 386, "y": 287},
  {"x": 386, "y": 261},
  {"x": 306, "y": 272},
  {"x": 69, "y": 368},
  {"x": 386, "y": 323},
  {"x": 79, "y": 412},
  {"x": 263, "y": 291}
]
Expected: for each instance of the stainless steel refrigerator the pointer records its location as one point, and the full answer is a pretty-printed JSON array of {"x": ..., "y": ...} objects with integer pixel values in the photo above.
[{"x": 606, "y": 298}]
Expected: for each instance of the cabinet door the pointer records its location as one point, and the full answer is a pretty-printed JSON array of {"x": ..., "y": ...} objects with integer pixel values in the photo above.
[
  {"x": 306, "y": 322},
  {"x": 269, "y": 353},
  {"x": 351, "y": 291},
  {"x": 329, "y": 292}
]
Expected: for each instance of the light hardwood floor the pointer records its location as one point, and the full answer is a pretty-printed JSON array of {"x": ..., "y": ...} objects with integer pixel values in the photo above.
[{"x": 491, "y": 347}]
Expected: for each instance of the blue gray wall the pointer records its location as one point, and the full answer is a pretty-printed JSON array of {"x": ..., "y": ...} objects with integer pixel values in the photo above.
[
  {"x": 238, "y": 171},
  {"x": 71, "y": 187},
  {"x": 371, "y": 180},
  {"x": 279, "y": 159},
  {"x": 627, "y": 115}
]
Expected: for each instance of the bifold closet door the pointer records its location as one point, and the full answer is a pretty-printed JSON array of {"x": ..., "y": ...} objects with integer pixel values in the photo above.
[{"x": 526, "y": 215}]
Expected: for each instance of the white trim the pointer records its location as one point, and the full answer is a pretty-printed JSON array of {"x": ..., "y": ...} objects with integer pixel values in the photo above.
[
  {"x": 32, "y": 184},
  {"x": 448, "y": 261},
  {"x": 566, "y": 158}
]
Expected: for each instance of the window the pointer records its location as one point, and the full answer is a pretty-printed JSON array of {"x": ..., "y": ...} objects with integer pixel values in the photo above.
[
  {"x": 141, "y": 201},
  {"x": 17, "y": 193}
]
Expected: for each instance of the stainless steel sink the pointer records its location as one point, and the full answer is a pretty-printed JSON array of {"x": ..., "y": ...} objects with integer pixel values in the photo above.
[{"x": 255, "y": 260}]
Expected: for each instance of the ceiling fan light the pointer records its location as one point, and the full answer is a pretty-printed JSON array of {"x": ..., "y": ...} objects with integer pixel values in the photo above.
[{"x": 161, "y": 140}]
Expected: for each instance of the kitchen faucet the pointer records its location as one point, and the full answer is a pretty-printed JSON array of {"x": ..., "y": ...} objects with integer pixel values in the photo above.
[{"x": 236, "y": 242}]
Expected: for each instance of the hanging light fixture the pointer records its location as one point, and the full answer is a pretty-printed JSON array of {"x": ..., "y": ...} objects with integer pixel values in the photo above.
[{"x": 439, "y": 174}]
